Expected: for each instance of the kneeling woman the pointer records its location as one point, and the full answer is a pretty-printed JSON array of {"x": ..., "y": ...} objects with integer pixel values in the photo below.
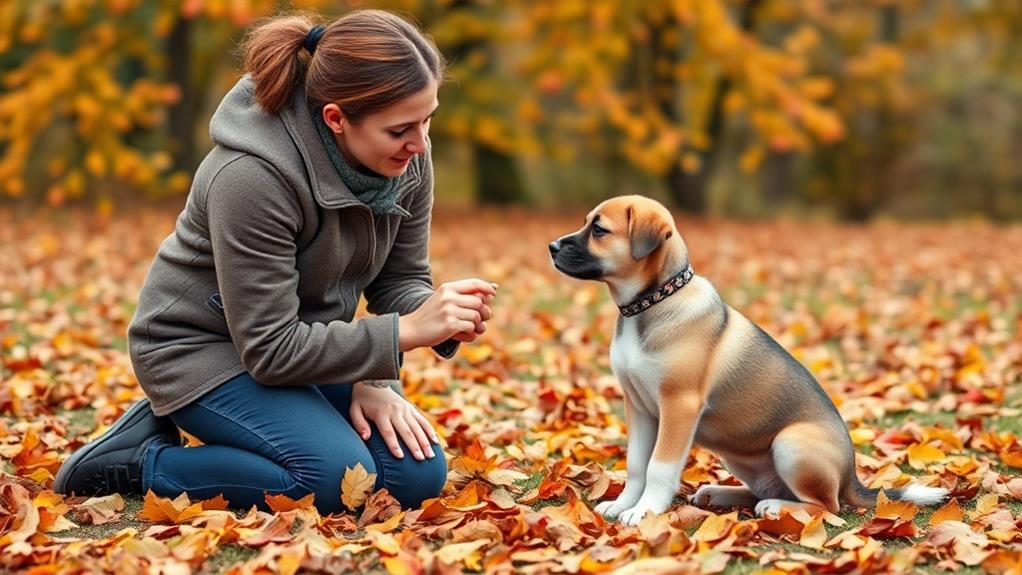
[{"x": 319, "y": 190}]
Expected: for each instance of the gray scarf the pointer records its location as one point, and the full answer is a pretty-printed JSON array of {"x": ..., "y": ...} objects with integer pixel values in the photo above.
[{"x": 377, "y": 192}]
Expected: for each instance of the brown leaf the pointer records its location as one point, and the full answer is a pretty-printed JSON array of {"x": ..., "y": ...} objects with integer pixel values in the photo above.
[
  {"x": 379, "y": 507},
  {"x": 966, "y": 545},
  {"x": 99, "y": 510},
  {"x": 277, "y": 530},
  {"x": 19, "y": 518}
]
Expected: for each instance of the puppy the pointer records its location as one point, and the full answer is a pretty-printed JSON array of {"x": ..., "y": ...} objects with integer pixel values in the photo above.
[{"x": 695, "y": 370}]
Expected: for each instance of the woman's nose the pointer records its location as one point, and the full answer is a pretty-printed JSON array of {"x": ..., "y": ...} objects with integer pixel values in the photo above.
[{"x": 417, "y": 145}]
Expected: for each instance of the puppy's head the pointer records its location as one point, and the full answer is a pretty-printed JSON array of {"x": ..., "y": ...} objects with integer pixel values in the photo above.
[{"x": 620, "y": 239}]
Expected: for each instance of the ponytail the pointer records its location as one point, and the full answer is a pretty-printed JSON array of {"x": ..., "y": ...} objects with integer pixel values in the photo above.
[{"x": 276, "y": 57}]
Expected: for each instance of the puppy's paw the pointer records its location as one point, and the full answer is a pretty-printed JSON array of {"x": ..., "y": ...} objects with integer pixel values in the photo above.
[
  {"x": 769, "y": 508},
  {"x": 634, "y": 515},
  {"x": 611, "y": 509},
  {"x": 703, "y": 497}
]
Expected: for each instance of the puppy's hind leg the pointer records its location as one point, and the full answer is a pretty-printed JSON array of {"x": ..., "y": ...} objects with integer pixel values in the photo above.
[
  {"x": 723, "y": 496},
  {"x": 642, "y": 432},
  {"x": 811, "y": 464}
]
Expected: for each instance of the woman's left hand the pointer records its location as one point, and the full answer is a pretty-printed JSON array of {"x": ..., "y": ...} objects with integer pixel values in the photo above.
[{"x": 394, "y": 416}]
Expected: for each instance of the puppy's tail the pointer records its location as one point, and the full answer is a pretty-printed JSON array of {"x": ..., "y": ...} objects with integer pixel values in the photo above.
[{"x": 861, "y": 496}]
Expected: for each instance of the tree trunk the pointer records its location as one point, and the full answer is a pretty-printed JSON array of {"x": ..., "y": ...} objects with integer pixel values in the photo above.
[
  {"x": 689, "y": 191},
  {"x": 496, "y": 177},
  {"x": 181, "y": 118}
]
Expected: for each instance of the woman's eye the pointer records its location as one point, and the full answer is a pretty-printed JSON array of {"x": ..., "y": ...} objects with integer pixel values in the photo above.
[
  {"x": 599, "y": 231},
  {"x": 397, "y": 134}
]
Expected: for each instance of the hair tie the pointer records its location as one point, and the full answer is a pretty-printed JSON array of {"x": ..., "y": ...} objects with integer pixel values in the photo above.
[{"x": 312, "y": 38}]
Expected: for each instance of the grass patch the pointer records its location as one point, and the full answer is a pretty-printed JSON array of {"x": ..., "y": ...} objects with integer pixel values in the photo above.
[{"x": 226, "y": 556}]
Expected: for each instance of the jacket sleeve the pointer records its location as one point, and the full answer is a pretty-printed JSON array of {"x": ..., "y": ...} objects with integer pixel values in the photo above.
[
  {"x": 405, "y": 280},
  {"x": 254, "y": 219}
]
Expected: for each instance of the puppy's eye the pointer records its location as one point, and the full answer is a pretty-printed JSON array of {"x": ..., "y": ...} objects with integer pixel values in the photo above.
[{"x": 599, "y": 230}]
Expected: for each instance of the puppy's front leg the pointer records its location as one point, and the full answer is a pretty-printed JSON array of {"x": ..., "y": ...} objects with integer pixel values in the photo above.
[
  {"x": 679, "y": 414},
  {"x": 642, "y": 428}
]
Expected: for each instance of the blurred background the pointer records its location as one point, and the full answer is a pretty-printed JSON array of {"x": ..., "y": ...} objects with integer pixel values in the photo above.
[{"x": 835, "y": 109}]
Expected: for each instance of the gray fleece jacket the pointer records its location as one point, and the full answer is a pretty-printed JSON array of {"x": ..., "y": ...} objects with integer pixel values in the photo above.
[{"x": 267, "y": 262}]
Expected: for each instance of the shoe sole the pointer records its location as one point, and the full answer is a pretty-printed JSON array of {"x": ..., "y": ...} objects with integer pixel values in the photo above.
[{"x": 130, "y": 417}]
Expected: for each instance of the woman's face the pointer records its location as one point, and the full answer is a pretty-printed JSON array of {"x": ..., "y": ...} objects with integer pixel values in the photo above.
[{"x": 384, "y": 142}]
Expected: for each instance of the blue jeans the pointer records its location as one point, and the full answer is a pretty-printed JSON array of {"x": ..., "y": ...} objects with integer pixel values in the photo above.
[{"x": 290, "y": 440}]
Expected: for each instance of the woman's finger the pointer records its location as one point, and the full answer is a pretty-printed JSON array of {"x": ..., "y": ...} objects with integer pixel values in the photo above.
[
  {"x": 473, "y": 285},
  {"x": 408, "y": 436},
  {"x": 467, "y": 301},
  {"x": 486, "y": 312},
  {"x": 389, "y": 437},
  {"x": 358, "y": 421},
  {"x": 420, "y": 433},
  {"x": 471, "y": 315},
  {"x": 427, "y": 426},
  {"x": 465, "y": 336}
]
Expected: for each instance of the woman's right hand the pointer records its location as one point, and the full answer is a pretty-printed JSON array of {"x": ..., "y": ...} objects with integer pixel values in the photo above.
[{"x": 457, "y": 309}]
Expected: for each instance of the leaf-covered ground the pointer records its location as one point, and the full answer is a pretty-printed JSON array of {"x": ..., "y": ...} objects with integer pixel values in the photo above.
[{"x": 914, "y": 330}]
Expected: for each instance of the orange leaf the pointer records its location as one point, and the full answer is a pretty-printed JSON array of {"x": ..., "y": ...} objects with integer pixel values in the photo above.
[
  {"x": 949, "y": 512},
  {"x": 783, "y": 525},
  {"x": 160, "y": 509},
  {"x": 888, "y": 509},
  {"x": 280, "y": 503}
]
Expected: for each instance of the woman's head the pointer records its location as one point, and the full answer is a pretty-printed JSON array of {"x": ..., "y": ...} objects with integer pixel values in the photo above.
[{"x": 373, "y": 75}]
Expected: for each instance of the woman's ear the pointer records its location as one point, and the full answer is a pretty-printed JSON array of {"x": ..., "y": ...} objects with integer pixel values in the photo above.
[{"x": 334, "y": 118}]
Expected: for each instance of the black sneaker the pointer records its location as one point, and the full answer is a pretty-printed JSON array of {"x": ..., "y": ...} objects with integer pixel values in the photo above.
[{"x": 112, "y": 463}]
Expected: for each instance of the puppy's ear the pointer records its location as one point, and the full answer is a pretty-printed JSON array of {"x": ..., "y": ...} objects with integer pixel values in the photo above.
[{"x": 646, "y": 231}]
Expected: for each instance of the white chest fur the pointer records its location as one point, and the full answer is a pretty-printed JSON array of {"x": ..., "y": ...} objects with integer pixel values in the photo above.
[{"x": 637, "y": 371}]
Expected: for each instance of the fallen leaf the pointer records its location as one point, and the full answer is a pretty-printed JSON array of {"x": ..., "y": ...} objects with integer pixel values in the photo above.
[{"x": 356, "y": 485}]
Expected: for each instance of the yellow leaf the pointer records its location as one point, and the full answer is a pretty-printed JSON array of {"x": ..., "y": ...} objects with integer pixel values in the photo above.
[
  {"x": 814, "y": 534},
  {"x": 715, "y": 527},
  {"x": 356, "y": 485},
  {"x": 467, "y": 552},
  {"x": 862, "y": 435},
  {"x": 388, "y": 525},
  {"x": 985, "y": 504},
  {"x": 921, "y": 454}
]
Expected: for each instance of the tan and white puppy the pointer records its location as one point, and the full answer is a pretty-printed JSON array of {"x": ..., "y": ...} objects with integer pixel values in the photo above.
[{"x": 695, "y": 370}]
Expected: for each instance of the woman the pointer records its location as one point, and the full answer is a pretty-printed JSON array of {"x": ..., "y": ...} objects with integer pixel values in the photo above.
[{"x": 319, "y": 190}]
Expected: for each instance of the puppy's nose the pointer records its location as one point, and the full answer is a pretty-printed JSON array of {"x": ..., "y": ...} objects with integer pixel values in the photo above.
[{"x": 555, "y": 246}]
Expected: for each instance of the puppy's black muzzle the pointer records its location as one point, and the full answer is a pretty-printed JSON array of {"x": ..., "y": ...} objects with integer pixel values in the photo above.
[{"x": 571, "y": 257}]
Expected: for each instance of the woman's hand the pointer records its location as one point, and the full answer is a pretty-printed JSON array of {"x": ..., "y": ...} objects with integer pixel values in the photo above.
[
  {"x": 394, "y": 416},
  {"x": 458, "y": 309}
]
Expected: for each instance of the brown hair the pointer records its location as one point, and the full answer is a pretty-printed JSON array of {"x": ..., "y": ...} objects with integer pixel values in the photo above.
[{"x": 364, "y": 61}]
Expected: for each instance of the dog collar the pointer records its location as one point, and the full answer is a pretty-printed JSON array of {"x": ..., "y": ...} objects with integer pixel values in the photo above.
[{"x": 650, "y": 298}]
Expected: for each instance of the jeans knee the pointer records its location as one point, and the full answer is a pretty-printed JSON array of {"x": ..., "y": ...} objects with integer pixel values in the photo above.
[{"x": 423, "y": 480}]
